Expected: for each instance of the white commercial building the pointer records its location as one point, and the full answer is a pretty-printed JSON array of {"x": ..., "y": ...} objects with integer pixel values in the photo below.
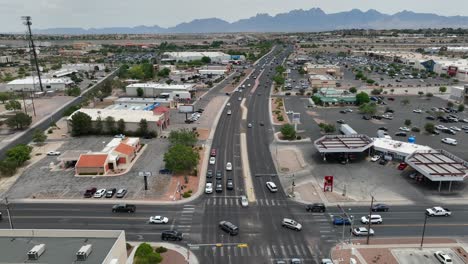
[
  {"x": 322, "y": 81},
  {"x": 6, "y": 59},
  {"x": 160, "y": 89},
  {"x": 131, "y": 118},
  {"x": 215, "y": 56},
  {"x": 32, "y": 84},
  {"x": 83, "y": 66},
  {"x": 396, "y": 149}
]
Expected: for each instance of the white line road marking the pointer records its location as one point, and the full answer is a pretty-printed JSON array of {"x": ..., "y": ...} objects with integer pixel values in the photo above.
[
  {"x": 273, "y": 202},
  {"x": 325, "y": 231},
  {"x": 275, "y": 250},
  {"x": 283, "y": 250},
  {"x": 261, "y": 251},
  {"x": 297, "y": 250},
  {"x": 290, "y": 250},
  {"x": 268, "y": 251},
  {"x": 222, "y": 251},
  {"x": 266, "y": 202}
]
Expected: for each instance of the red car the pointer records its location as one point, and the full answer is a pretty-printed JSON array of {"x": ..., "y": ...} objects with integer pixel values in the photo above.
[
  {"x": 213, "y": 153},
  {"x": 402, "y": 166}
]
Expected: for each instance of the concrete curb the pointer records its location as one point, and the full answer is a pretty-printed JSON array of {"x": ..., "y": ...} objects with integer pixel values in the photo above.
[
  {"x": 189, "y": 256},
  {"x": 304, "y": 140}
]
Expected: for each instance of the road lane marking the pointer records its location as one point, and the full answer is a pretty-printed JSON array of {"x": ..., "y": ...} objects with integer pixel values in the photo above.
[
  {"x": 283, "y": 250},
  {"x": 268, "y": 251}
]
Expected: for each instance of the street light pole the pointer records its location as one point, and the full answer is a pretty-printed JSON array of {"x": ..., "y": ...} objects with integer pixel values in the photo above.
[
  {"x": 8, "y": 212},
  {"x": 293, "y": 184},
  {"x": 369, "y": 222},
  {"x": 424, "y": 231}
]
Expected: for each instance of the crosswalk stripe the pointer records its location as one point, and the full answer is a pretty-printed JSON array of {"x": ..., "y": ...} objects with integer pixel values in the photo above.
[
  {"x": 214, "y": 202},
  {"x": 241, "y": 251},
  {"x": 268, "y": 251},
  {"x": 290, "y": 250},
  {"x": 214, "y": 250},
  {"x": 248, "y": 251},
  {"x": 266, "y": 202},
  {"x": 275, "y": 250},
  {"x": 254, "y": 249},
  {"x": 310, "y": 250},
  {"x": 225, "y": 201},
  {"x": 273, "y": 202},
  {"x": 237, "y": 202},
  {"x": 297, "y": 250},
  {"x": 235, "y": 251},
  {"x": 261, "y": 251},
  {"x": 230, "y": 201},
  {"x": 283, "y": 250},
  {"x": 222, "y": 251},
  {"x": 304, "y": 252}
]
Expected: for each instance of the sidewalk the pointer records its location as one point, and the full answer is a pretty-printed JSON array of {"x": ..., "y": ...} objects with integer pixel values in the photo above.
[{"x": 184, "y": 255}]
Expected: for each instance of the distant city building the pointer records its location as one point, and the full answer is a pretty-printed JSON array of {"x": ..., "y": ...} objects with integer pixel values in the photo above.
[
  {"x": 84, "y": 66},
  {"x": 161, "y": 90},
  {"x": 322, "y": 81},
  {"x": 331, "y": 96},
  {"x": 215, "y": 56},
  {"x": 6, "y": 59},
  {"x": 322, "y": 69},
  {"x": 32, "y": 84},
  {"x": 57, "y": 246}
]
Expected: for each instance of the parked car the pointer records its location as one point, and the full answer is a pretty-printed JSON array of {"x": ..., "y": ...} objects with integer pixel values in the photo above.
[
  {"x": 430, "y": 118},
  {"x": 402, "y": 166},
  {"x": 171, "y": 235},
  {"x": 289, "y": 223},
  {"x": 380, "y": 208},
  {"x": 406, "y": 129},
  {"x": 316, "y": 207},
  {"x": 340, "y": 121},
  {"x": 417, "y": 111},
  {"x": 362, "y": 231},
  {"x": 99, "y": 193},
  {"x": 400, "y": 134},
  {"x": 212, "y": 160},
  {"x": 455, "y": 128},
  {"x": 375, "y": 158},
  {"x": 249, "y": 125},
  {"x": 213, "y": 153},
  {"x": 271, "y": 186},
  {"x": 90, "y": 192},
  {"x": 53, "y": 153},
  {"x": 450, "y": 141},
  {"x": 110, "y": 192},
  {"x": 158, "y": 220},
  {"x": 165, "y": 171},
  {"x": 121, "y": 193},
  {"x": 443, "y": 257},
  {"x": 229, "y": 228}
]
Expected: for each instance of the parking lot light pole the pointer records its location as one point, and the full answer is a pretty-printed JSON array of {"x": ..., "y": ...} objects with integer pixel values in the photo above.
[
  {"x": 424, "y": 230},
  {"x": 369, "y": 222}
]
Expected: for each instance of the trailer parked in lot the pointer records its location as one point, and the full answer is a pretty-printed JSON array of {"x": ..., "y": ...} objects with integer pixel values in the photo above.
[{"x": 347, "y": 130}]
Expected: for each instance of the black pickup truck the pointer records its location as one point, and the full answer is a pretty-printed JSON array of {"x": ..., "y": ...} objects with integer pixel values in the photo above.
[{"x": 125, "y": 208}]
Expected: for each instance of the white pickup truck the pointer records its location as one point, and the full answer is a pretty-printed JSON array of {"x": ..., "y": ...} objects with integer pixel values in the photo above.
[{"x": 438, "y": 211}]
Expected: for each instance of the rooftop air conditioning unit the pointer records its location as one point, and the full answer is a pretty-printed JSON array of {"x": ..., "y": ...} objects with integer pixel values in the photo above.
[
  {"x": 36, "y": 252},
  {"x": 84, "y": 252}
]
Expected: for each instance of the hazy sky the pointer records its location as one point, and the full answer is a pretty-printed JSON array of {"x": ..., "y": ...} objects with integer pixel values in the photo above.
[{"x": 107, "y": 13}]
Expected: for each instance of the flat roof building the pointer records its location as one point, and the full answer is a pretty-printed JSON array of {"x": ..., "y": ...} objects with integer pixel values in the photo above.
[
  {"x": 322, "y": 81},
  {"x": 397, "y": 149},
  {"x": 323, "y": 69},
  {"x": 156, "y": 89},
  {"x": 215, "y": 56},
  {"x": 332, "y": 96},
  {"x": 343, "y": 143},
  {"x": 32, "y": 84},
  {"x": 56, "y": 246}
]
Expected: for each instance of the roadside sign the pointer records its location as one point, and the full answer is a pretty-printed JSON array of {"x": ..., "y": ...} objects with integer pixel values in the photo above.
[{"x": 296, "y": 118}]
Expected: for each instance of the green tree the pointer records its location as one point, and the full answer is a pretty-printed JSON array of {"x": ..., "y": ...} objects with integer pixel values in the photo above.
[
  {"x": 442, "y": 89},
  {"x": 461, "y": 107},
  {"x": 143, "y": 128},
  {"x": 450, "y": 104},
  {"x": 120, "y": 126},
  {"x": 136, "y": 72},
  {"x": 99, "y": 126},
  {"x": 288, "y": 131},
  {"x": 145, "y": 255},
  {"x": 39, "y": 136},
  {"x": 180, "y": 158},
  {"x": 206, "y": 60},
  {"x": 376, "y": 91},
  {"x": 362, "y": 98},
  {"x": 353, "y": 90},
  {"x": 280, "y": 69},
  {"x": 164, "y": 73},
  {"x": 407, "y": 122},
  {"x": 140, "y": 92},
  {"x": 19, "y": 121},
  {"x": 8, "y": 167},
  {"x": 405, "y": 101},
  {"x": 19, "y": 154},
  {"x": 109, "y": 123},
  {"x": 81, "y": 124},
  {"x": 327, "y": 128},
  {"x": 123, "y": 71},
  {"x": 4, "y": 96},
  {"x": 429, "y": 127},
  {"x": 392, "y": 90},
  {"x": 278, "y": 79},
  {"x": 148, "y": 70},
  {"x": 429, "y": 95},
  {"x": 13, "y": 105},
  {"x": 368, "y": 108},
  {"x": 420, "y": 93},
  {"x": 183, "y": 137}
]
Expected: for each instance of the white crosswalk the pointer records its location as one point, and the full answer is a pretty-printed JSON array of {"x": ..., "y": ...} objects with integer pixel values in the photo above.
[
  {"x": 235, "y": 201},
  {"x": 271, "y": 251},
  {"x": 184, "y": 221}
]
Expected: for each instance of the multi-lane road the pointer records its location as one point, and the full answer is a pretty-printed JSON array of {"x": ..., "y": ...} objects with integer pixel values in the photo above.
[{"x": 261, "y": 239}]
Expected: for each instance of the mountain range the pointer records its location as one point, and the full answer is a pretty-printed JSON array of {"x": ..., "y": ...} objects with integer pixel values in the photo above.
[{"x": 311, "y": 20}]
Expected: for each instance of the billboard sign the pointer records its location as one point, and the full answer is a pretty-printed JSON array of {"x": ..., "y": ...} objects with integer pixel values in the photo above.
[
  {"x": 296, "y": 118},
  {"x": 328, "y": 184},
  {"x": 186, "y": 109}
]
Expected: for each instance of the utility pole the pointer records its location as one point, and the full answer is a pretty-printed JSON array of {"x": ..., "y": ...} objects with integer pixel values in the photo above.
[
  {"x": 369, "y": 222},
  {"x": 424, "y": 231},
  {"x": 8, "y": 212},
  {"x": 28, "y": 23}
]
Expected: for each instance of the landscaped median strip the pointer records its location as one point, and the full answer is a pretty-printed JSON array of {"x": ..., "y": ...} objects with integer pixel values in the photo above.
[{"x": 246, "y": 169}]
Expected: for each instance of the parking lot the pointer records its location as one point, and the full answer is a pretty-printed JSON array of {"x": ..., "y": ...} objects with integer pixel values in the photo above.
[
  {"x": 424, "y": 256},
  {"x": 401, "y": 113},
  {"x": 38, "y": 181}
]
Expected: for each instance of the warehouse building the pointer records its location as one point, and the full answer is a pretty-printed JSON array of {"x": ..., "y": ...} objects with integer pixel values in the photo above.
[
  {"x": 162, "y": 90},
  {"x": 32, "y": 84},
  {"x": 322, "y": 69},
  {"x": 215, "y": 56},
  {"x": 331, "y": 96},
  {"x": 58, "y": 246},
  {"x": 157, "y": 121},
  {"x": 322, "y": 81}
]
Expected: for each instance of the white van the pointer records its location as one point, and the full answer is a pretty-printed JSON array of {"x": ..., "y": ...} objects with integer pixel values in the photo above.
[
  {"x": 271, "y": 186},
  {"x": 450, "y": 141}
]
